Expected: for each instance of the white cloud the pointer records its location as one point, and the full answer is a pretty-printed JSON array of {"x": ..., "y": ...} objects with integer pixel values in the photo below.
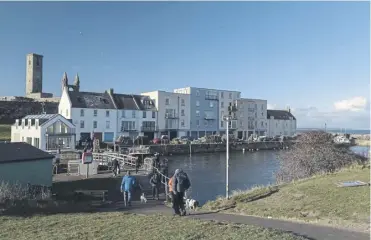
[
  {"x": 353, "y": 104},
  {"x": 350, "y": 113}
]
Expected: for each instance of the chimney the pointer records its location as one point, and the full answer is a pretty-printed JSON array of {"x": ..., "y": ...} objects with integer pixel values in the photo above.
[
  {"x": 289, "y": 110},
  {"x": 110, "y": 91}
]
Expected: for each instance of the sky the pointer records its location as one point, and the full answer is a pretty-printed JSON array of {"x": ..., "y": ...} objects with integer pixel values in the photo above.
[{"x": 313, "y": 57}]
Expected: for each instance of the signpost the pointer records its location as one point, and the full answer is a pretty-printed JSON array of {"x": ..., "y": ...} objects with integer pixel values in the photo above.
[{"x": 87, "y": 158}]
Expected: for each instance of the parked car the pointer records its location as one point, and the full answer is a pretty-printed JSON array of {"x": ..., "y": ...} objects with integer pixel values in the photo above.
[{"x": 156, "y": 141}]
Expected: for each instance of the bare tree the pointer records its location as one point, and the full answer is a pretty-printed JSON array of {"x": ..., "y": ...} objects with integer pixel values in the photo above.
[{"x": 314, "y": 153}]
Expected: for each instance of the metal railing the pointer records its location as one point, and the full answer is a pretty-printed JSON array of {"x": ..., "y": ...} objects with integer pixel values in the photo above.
[{"x": 105, "y": 158}]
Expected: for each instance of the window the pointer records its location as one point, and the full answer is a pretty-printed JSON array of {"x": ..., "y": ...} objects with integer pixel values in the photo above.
[
  {"x": 95, "y": 113},
  {"x": 262, "y": 107},
  {"x": 66, "y": 113},
  {"x": 230, "y": 95},
  {"x": 167, "y": 101},
  {"x": 182, "y": 112},
  {"x": 198, "y": 123},
  {"x": 183, "y": 102},
  {"x": 241, "y": 123},
  {"x": 197, "y": 113},
  {"x": 197, "y": 103},
  {"x": 81, "y": 112},
  {"x": 222, "y": 113},
  {"x": 37, "y": 62},
  {"x": 182, "y": 123},
  {"x": 82, "y": 124},
  {"x": 36, "y": 142},
  {"x": 107, "y": 113},
  {"x": 107, "y": 124},
  {"x": 153, "y": 114},
  {"x": 144, "y": 114},
  {"x": 206, "y": 123},
  {"x": 36, "y": 124},
  {"x": 29, "y": 62},
  {"x": 221, "y": 124},
  {"x": 211, "y": 104},
  {"x": 222, "y": 95},
  {"x": 127, "y": 125},
  {"x": 262, "y": 124},
  {"x": 95, "y": 124},
  {"x": 222, "y": 104},
  {"x": 29, "y": 140},
  {"x": 197, "y": 93},
  {"x": 22, "y": 139},
  {"x": 123, "y": 113},
  {"x": 133, "y": 114}
]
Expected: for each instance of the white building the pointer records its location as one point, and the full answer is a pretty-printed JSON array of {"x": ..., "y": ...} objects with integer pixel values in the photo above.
[
  {"x": 136, "y": 115},
  {"x": 227, "y": 98},
  {"x": 173, "y": 109},
  {"x": 252, "y": 117},
  {"x": 281, "y": 122},
  {"x": 107, "y": 115},
  {"x": 45, "y": 131}
]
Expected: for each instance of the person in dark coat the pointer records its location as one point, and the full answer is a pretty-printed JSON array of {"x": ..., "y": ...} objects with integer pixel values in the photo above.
[
  {"x": 115, "y": 167},
  {"x": 155, "y": 183}
]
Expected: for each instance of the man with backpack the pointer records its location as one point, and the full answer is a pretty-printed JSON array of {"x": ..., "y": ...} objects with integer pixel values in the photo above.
[{"x": 181, "y": 183}]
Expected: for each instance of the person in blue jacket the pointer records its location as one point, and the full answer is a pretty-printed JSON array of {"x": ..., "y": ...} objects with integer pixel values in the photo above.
[{"x": 127, "y": 187}]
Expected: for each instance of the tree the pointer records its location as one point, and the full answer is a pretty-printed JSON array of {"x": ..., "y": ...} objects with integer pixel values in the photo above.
[{"x": 314, "y": 153}]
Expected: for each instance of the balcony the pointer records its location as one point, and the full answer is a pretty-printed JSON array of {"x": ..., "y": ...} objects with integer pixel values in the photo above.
[
  {"x": 126, "y": 129},
  {"x": 211, "y": 97},
  {"x": 148, "y": 128},
  {"x": 171, "y": 116}
]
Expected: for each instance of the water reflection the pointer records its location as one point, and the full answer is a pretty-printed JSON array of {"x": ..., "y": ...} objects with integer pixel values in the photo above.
[{"x": 207, "y": 171}]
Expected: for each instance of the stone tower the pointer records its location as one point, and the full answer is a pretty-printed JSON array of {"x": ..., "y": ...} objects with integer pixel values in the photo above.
[{"x": 34, "y": 74}]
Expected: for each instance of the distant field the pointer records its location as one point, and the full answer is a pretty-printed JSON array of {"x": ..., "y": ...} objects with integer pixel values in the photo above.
[{"x": 4, "y": 132}]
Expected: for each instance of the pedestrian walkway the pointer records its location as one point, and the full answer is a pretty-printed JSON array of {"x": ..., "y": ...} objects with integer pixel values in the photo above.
[{"x": 310, "y": 231}]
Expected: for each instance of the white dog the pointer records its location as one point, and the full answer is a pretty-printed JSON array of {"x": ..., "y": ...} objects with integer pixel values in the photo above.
[
  {"x": 143, "y": 198},
  {"x": 191, "y": 204}
]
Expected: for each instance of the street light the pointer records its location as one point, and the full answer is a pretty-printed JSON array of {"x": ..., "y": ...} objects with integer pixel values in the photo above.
[{"x": 228, "y": 118}]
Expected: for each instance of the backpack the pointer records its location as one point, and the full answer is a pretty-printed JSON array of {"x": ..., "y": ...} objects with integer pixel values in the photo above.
[{"x": 183, "y": 181}]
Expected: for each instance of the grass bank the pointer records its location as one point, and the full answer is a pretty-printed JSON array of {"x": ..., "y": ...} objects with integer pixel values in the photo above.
[
  {"x": 5, "y": 132},
  {"x": 316, "y": 200},
  {"x": 127, "y": 226}
]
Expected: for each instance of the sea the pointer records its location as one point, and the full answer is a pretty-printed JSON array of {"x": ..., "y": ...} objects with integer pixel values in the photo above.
[{"x": 336, "y": 130}]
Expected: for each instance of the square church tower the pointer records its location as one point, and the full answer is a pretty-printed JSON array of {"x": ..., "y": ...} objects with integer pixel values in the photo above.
[{"x": 34, "y": 74}]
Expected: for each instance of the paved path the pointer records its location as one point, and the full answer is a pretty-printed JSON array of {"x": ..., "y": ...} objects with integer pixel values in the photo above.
[{"x": 309, "y": 231}]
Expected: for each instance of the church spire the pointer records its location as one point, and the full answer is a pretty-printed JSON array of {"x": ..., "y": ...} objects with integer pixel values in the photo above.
[
  {"x": 64, "y": 81},
  {"x": 77, "y": 83}
]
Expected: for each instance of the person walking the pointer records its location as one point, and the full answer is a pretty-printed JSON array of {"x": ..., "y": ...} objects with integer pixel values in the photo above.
[
  {"x": 115, "y": 167},
  {"x": 181, "y": 183},
  {"x": 174, "y": 202},
  {"x": 127, "y": 187},
  {"x": 155, "y": 183}
]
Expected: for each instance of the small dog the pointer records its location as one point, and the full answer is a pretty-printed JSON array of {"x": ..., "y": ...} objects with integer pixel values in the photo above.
[
  {"x": 191, "y": 204},
  {"x": 143, "y": 198}
]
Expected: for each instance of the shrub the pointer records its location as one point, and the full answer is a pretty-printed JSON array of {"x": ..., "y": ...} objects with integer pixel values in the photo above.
[
  {"x": 314, "y": 153},
  {"x": 17, "y": 192}
]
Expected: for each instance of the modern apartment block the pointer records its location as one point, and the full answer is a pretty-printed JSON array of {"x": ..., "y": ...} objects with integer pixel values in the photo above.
[
  {"x": 173, "y": 113},
  {"x": 207, "y": 108},
  {"x": 252, "y": 117}
]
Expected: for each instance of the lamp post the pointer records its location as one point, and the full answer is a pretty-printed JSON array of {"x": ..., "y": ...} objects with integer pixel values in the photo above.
[{"x": 228, "y": 118}]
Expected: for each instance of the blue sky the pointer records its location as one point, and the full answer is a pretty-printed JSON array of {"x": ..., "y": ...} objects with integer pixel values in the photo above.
[{"x": 311, "y": 56}]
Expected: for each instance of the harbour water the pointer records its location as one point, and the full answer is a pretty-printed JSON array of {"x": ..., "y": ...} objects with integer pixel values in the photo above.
[{"x": 207, "y": 171}]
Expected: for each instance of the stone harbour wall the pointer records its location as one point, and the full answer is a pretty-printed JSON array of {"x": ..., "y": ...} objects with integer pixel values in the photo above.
[{"x": 178, "y": 149}]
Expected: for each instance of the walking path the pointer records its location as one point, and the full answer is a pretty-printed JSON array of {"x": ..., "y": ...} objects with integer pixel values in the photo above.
[{"x": 309, "y": 231}]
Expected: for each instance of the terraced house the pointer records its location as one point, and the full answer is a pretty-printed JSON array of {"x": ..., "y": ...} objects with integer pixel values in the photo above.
[{"x": 107, "y": 115}]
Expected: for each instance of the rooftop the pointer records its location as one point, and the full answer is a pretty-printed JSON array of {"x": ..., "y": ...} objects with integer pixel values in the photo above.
[
  {"x": 21, "y": 152},
  {"x": 280, "y": 114}
]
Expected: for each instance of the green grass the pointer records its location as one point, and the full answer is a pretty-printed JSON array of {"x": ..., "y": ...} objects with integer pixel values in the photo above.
[
  {"x": 317, "y": 199},
  {"x": 127, "y": 226},
  {"x": 5, "y": 132}
]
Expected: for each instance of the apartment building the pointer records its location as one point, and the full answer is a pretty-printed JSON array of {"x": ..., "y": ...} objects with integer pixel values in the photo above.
[
  {"x": 252, "y": 117},
  {"x": 173, "y": 113}
]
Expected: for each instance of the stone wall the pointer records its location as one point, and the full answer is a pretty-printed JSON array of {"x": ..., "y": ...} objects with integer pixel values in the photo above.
[{"x": 178, "y": 149}]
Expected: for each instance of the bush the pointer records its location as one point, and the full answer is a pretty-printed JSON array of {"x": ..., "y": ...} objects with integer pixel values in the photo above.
[
  {"x": 12, "y": 193},
  {"x": 314, "y": 153}
]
